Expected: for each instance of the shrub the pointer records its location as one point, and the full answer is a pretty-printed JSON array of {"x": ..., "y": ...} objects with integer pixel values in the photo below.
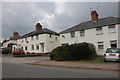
[{"x": 81, "y": 51}]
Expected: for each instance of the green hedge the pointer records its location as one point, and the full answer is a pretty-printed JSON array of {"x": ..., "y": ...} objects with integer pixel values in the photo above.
[{"x": 81, "y": 51}]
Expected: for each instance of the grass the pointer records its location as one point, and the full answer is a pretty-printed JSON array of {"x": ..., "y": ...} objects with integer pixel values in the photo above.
[{"x": 97, "y": 60}]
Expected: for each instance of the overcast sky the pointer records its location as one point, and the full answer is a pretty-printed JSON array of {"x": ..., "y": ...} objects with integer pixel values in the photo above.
[{"x": 57, "y": 16}]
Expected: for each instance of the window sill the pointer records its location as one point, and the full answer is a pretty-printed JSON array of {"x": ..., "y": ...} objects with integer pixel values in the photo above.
[
  {"x": 99, "y": 34},
  {"x": 111, "y": 32}
]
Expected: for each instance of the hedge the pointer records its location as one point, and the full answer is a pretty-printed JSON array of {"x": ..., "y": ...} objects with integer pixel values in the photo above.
[{"x": 81, "y": 51}]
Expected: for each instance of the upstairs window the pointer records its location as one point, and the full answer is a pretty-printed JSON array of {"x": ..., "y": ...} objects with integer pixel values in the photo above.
[
  {"x": 32, "y": 38},
  {"x": 56, "y": 38},
  {"x": 112, "y": 29},
  {"x": 63, "y": 36},
  {"x": 72, "y": 34},
  {"x": 82, "y": 33},
  {"x": 25, "y": 39},
  {"x": 50, "y": 35},
  {"x": 37, "y": 37},
  {"x": 99, "y": 31}
]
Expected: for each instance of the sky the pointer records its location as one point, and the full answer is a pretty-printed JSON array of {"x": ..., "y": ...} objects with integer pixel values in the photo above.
[{"x": 56, "y": 16}]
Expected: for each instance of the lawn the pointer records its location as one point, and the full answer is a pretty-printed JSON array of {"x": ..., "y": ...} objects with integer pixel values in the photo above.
[{"x": 98, "y": 60}]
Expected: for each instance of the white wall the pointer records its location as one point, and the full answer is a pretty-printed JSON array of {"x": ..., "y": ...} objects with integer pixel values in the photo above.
[
  {"x": 5, "y": 45},
  {"x": 52, "y": 43},
  {"x": 91, "y": 37},
  {"x": 43, "y": 39}
]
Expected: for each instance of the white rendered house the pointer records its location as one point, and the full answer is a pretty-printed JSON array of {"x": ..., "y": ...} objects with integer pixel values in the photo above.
[
  {"x": 12, "y": 40},
  {"x": 42, "y": 40},
  {"x": 103, "y": 33}
]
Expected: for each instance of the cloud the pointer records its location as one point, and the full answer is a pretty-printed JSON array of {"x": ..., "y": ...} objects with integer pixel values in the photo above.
[{"x": 57, "y": 16}]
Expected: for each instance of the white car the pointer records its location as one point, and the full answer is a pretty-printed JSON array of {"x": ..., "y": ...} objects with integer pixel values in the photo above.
[{"x": 112, "y": 54}]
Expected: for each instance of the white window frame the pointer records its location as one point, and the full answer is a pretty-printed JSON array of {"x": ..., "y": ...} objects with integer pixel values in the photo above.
[
  {"x": 99, "y": 31},
  {"x": 37, "y": 37},
  {"x": 100, "y": 43},
  {"x": 32, "y": 47},
  {"x": 72, "y": 34},
  {"x": 37, "y": 47},
  {"x": 82, "y": 32},
  {"x": 113, "y": 29},
  {"x": 32, "y": 37}
]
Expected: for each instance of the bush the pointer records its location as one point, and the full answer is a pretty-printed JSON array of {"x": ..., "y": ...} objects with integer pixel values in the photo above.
[{"x": 81, "y": 51}]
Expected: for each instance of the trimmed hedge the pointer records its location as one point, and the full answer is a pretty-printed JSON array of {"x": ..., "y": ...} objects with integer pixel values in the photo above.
[{"x": 81, "y": 51}]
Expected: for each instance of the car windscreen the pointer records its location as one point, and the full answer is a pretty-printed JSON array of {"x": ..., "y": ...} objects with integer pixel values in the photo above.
[
  {"x": 18, "y": 50},
  {"x": 113, "y": 50}
]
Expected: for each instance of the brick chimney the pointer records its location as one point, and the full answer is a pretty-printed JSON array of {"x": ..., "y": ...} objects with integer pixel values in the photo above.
[
  {"x": 94, "y": 15},
  {"x": 38, "y": 27},
  {"x": 15, "y": 34}
]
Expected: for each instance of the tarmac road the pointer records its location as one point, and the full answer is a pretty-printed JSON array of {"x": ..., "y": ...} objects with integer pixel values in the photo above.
[{"x": 13, "y": 70}]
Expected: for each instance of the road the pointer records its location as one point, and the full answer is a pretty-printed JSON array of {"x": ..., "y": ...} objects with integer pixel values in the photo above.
[{"x": 13, "y": 70}]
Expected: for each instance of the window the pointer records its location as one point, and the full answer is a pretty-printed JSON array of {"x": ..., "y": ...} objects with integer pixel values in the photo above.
[
  {"x": 82, "y": 33},
  {"x": 37, "y": 46},
  {"x": 22, "y": 47},
  {"x": 32, "y": 37},
  {"x": 72, "y": 34},
  {"x": 111, "y": 29},
  {"x": 113, "y": 43},
  {"x": 25, "y": 39},
  {"x": 50, "y": 35},
  {"x": 56, "y": 38},
  {"x": 25, "y": 47},
  {"x": 63, "y": 36},
  {"x": 32, "y": 47},
  {"x": 37, "y": 37},
  {"x": 100, "y": 45},
  {"x": 99, "y": 31}
]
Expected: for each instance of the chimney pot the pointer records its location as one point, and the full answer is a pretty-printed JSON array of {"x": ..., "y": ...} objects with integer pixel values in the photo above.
[
  {"x": 15, "y": 34},
  {"x": 38, "y": 27}
]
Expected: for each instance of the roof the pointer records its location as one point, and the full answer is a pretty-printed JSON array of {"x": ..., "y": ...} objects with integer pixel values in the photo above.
[
  {"x": 42, "y": 31},
  {"x": 90, "y": 24},
  {"x": 15, "y": 38}
]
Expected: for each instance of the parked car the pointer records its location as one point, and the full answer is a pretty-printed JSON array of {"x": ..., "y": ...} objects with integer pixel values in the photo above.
[
  {"x": 112, "y": 54},
  {"x": 18, "y": 52}
]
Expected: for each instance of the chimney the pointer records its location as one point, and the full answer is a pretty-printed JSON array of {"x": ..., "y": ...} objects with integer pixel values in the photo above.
[
  {"x": 15, "y": 34},
  {"x": 94, "y": 15},
  {"x": 38, "y": 27}
]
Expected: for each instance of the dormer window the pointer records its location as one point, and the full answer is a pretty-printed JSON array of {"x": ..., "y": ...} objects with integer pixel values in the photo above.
[
  {"x": 72, "y": 33},
  {"x": 99, "y": 31}
]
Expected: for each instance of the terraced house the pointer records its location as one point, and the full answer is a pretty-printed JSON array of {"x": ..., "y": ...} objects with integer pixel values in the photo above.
[
  {"x": 103, "y": 33},
  {"x": 41, "y": 40}
]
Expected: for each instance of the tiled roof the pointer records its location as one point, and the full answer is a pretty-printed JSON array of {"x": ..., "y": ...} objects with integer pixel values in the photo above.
[
  {"x": 90, "y": 24},
  {"x": 15, "y": 38},
  {"x": 42, "y": 31}
]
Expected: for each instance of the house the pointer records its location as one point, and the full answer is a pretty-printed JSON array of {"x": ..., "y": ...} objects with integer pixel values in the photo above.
[
  {"x": 12, "y": 40},
  {"x": 103, "y": 33},
  {"x": 41, "y": 40}
]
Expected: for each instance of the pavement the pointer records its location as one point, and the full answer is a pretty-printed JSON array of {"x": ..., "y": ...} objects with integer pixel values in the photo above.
[
  {"x": 78, "y": 65},
  {"x": 45, "y": 61}
]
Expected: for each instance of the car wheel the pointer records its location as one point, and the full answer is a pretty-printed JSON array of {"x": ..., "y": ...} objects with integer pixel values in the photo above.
[{"x": 105, "y": 60}]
